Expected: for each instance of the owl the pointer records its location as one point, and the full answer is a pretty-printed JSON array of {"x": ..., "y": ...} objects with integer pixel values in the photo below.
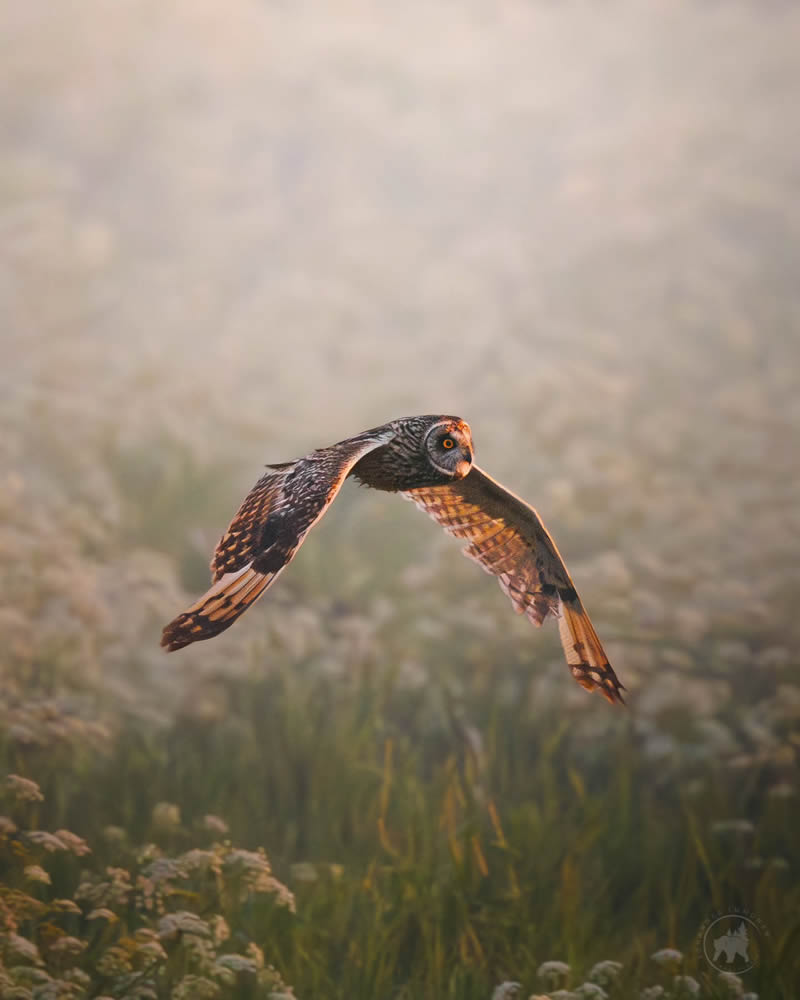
[{"x": 429, "y": 460}]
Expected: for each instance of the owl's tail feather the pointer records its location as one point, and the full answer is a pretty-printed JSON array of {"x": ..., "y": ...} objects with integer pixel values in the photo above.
[
  {"x": 217, "y": 609},
  {"x": 586, "y": 657}
]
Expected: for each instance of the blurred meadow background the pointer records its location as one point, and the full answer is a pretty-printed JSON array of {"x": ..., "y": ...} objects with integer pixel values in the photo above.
[{"x": 230, "y": 233}]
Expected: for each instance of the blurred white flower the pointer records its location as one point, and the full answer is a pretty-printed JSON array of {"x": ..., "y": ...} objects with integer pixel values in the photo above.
[
  {"x": 65, "y": 906},
  {"x": 605, "y": 973},
  {"x": 731, "y": 983},
  {"x": 237, "y": 964},
  {"x": 215, "y": 825},
  {"x": 166, "y": 816},
  {"x": 182, "y": 922},
  {"x": 23, "y": 789},
  {"x": 667, "y": 957},
  {"x": 590, "y": 991},
  {"x": 219, "y": 928},
  {"x": 506, "y": 991},
  {"x": 35, "y": 873},
  {"x": 553, "y": 973},
  {"x": 73, "y": 843},
  {"x": 67, "y": 945},
  {"x": 48, "y": 841},
  {"x": 195, "y": 988}
]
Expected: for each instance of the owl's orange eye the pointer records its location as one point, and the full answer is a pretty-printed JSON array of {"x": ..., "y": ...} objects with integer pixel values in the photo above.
[{"x": 448, "y": 443}]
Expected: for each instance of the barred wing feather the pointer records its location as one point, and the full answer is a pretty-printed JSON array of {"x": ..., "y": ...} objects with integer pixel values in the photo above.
[
  {"x": 506, "y": 537},
  {"x": 262, "y": 539}
]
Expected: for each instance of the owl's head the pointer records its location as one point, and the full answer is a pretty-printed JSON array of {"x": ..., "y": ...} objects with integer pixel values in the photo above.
[{"x": 448, "y": 445}]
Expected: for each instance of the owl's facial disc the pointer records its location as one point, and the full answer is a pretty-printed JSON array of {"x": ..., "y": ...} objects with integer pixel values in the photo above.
[{"x": 449, "y": 448}]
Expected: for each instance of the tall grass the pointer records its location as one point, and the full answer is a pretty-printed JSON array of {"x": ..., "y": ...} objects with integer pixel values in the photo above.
[{"x": 434, "y": 851}]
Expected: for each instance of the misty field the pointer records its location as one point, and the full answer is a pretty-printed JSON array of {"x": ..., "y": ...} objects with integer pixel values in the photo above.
[{"x": 233, "y": 233}]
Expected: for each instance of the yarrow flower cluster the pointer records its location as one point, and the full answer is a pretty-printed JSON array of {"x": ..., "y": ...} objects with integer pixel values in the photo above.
[{"x": 134, "y": 919}]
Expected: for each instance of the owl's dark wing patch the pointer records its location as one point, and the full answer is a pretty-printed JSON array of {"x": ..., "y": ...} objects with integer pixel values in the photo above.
[
  {"x": 266, "y": 532},
  {"x": 507, "y": 538}
]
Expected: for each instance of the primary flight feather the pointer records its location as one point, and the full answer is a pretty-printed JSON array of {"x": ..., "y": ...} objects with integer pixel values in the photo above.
[{"x": 429, "y": 460}]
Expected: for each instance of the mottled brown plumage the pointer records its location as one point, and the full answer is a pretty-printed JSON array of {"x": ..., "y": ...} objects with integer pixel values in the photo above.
[
  {"x": 507, "y": 538},
  {"x": 429, "y": 460}
]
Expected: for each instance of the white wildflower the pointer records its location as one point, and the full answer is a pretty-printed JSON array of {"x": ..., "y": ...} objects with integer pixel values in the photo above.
[
  {"x": 148, "y": 945},
  {"x": 72, "y": 842},
  {"x": 23, "y": 789},
  {"x": 48, "y": 841},
  {"x": 20, "y": 950},
  {"x": 667, "y": 956},
  {"x": 553, "y": 973},
  {"x": 195, "y": 988},
  {"x": 198, "y": 860},
  {"x": 80, "y": 978},
  {"x": 182, "y": 922},
  {"x": 7, "y": 826},
  {"x": 506, "y": 991},
  {"x": 219, "y": 928},
  {"x": 115, "y": 961},
  {"x": 732, "y": 983},
  {"x": 257, "y": 955},
  {"x": 215, "y": 825},
  {"x": 237, "y": 964},
  {"x": 162, "y": 870},
  {"x": 67, "y": 945},
  {"x": 605, "y": 973},
  {"x": 166, "y": 816},
  {"x": 30, "y": 976},
  {"x": 35, "y": 873},
  {"x": 591, "y": 991},
  {"x": 65, "y": 906}
]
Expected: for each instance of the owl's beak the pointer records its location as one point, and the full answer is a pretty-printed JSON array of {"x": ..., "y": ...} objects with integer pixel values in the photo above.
[{"x": 464, "y": 465}]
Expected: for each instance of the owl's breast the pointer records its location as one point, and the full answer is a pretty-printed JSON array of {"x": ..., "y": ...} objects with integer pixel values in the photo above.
[{"x": 395, "y": 470}]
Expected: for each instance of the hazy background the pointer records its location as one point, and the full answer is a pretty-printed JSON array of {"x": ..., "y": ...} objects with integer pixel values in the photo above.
[{"x": 230, "y": 233}]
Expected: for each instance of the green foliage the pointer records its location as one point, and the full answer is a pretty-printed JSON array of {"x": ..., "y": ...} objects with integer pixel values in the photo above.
[
  {"x": 151, "y": 925},
  {"x": 423, "y": 845}
]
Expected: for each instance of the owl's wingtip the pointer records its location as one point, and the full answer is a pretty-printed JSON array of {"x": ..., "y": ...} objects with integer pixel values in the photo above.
[
  {"x": 613, "y": 694},
  {"x": 610, "y": 687},
  {"x": 172, "y": 639}
]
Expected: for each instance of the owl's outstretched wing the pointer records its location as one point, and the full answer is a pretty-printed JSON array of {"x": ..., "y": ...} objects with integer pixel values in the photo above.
[
  {"x": 507, "y": 538},
  {"x": 263, "y": 537}
]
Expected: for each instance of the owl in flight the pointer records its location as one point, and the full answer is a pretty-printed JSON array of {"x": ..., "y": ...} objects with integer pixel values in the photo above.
[{"x": 428, "y": 460}]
